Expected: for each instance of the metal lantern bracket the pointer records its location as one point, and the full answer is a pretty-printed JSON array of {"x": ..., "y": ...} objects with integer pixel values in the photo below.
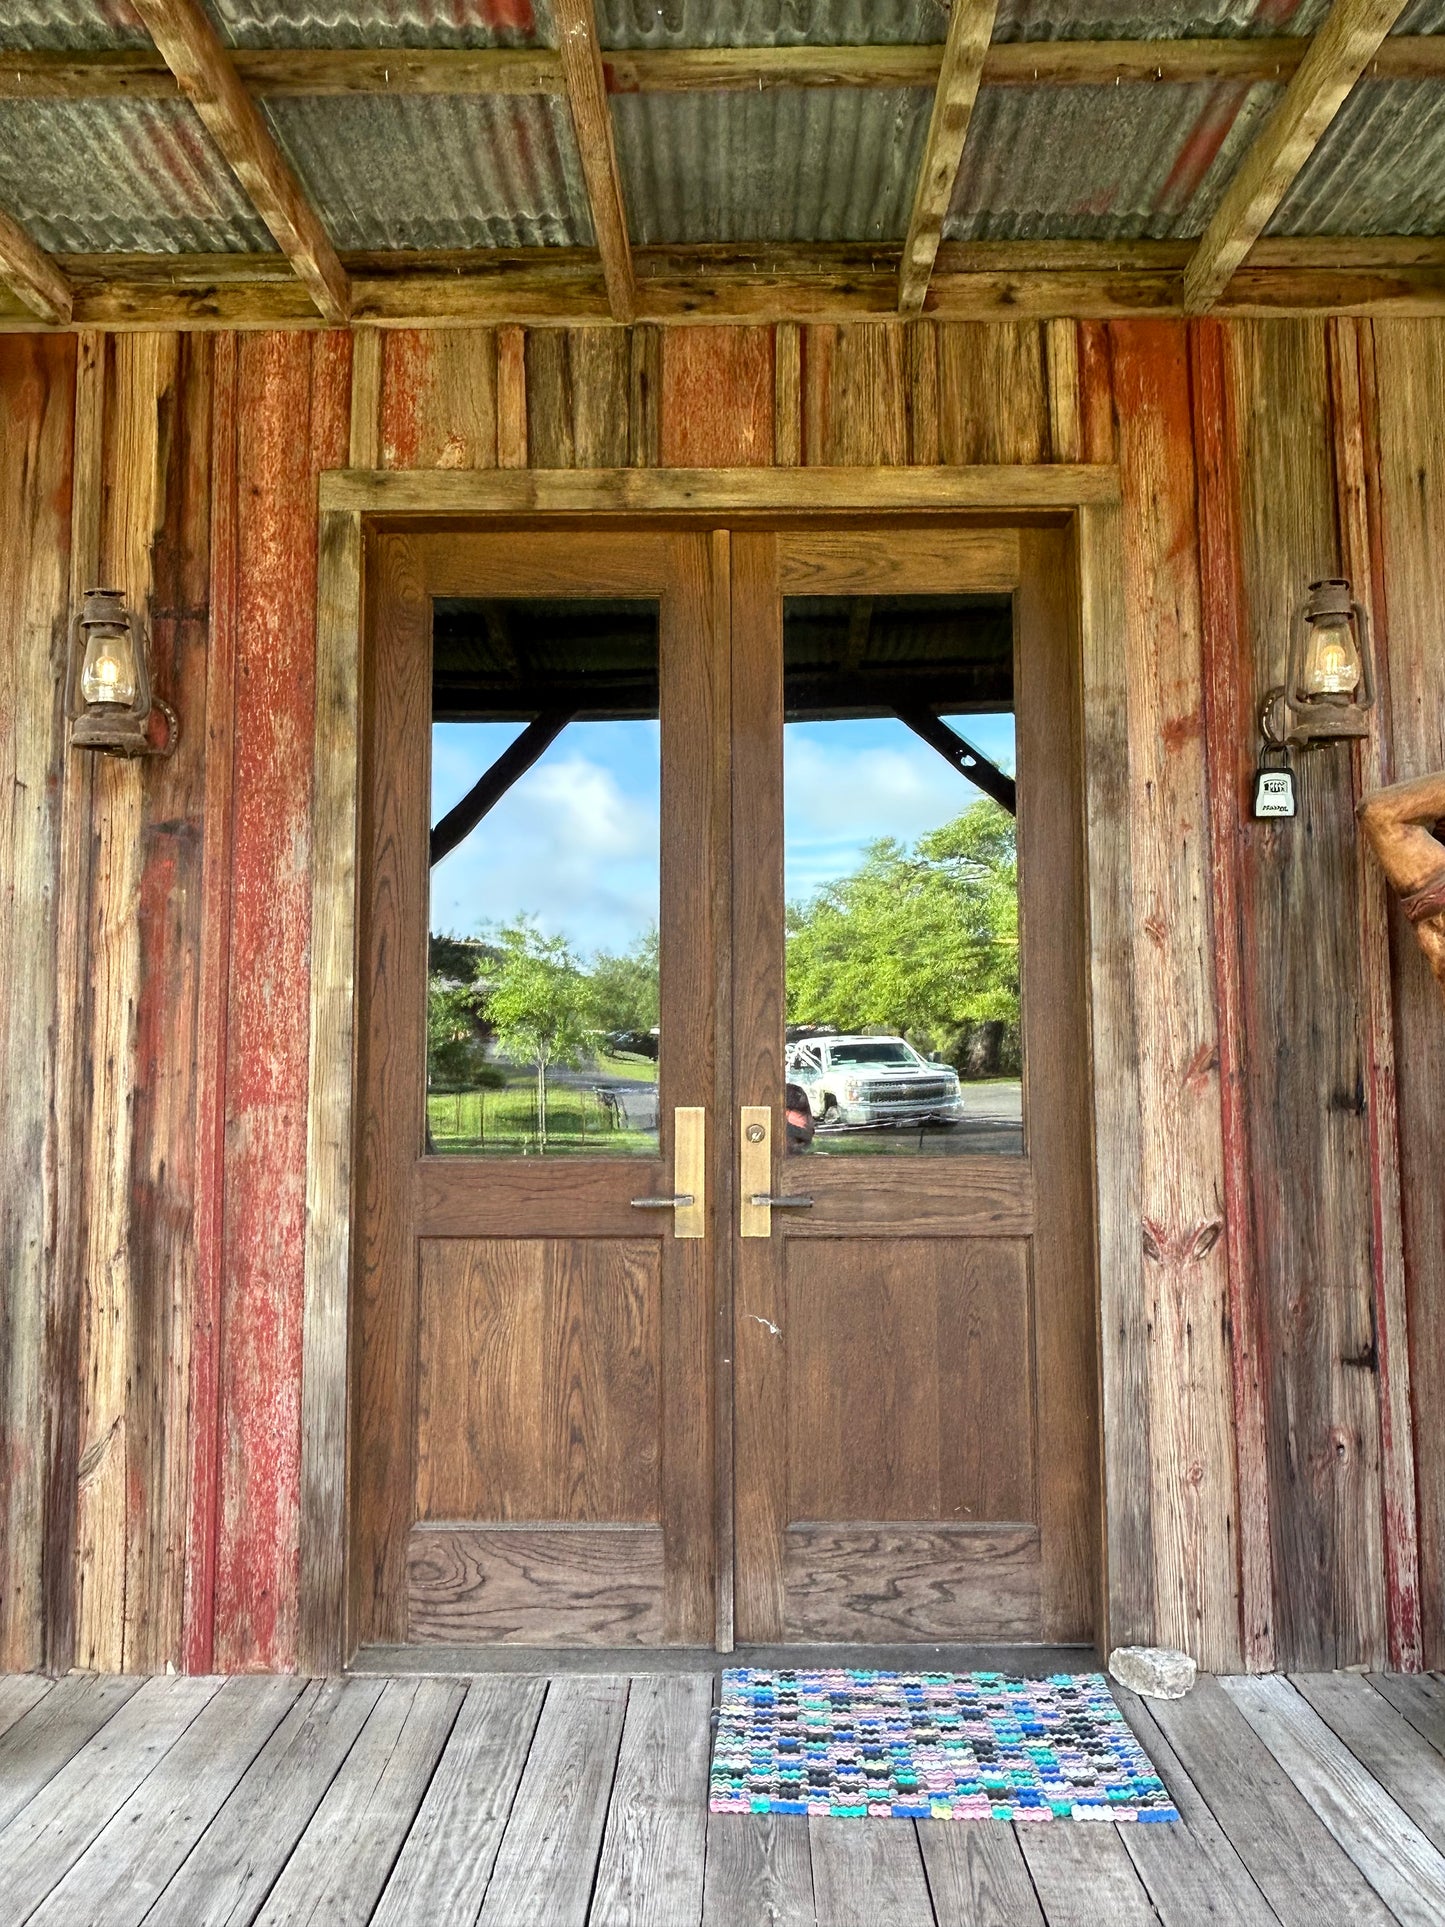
[{"x": 115, "y": 729}]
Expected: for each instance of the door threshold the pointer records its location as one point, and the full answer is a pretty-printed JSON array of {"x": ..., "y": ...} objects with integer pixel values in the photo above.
[{"x": 451, "y": 1662}]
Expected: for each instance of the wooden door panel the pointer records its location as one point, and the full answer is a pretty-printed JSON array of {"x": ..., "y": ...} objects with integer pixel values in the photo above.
[
  {"x": 536, "y": 1585},
  {"x": 538, "y": 1381},
  {"x": 911, "y": 1396},
  {"x": 889, "y": 1583}
]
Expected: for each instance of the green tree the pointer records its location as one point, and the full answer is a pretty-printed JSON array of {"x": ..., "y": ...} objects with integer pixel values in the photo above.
[
  {"x": 624, "y": 986},
  {"x": 922, "y": 940},
  {"x": 538, "y": 1003}
]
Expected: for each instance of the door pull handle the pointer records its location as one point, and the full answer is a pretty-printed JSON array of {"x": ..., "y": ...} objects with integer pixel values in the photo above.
[
  {"x": 794, "y": 1202},
  {"x": 688, "y": 1203}
]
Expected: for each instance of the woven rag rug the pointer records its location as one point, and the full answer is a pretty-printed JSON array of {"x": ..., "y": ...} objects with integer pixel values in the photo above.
[{"x": 929, "y": 1746}]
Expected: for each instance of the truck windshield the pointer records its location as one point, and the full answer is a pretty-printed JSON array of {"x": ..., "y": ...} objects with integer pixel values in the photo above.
[{"x": 878, "y": 1052}]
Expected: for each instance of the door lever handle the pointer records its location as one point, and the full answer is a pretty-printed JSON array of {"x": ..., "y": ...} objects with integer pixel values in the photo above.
[
  {"x": 664, "y": 1204},
  {"x": 793, "y": 1202},
  {"x": 689, "y": 1174}
]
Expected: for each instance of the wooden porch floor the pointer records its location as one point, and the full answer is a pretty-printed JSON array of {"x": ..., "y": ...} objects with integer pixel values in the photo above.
[{"x": 541, "y": 1801}]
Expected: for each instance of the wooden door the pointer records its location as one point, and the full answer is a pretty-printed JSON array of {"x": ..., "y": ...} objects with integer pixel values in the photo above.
[
  {"x": 532, "y": 1427},
  {"x": 916, "y": 1425}
]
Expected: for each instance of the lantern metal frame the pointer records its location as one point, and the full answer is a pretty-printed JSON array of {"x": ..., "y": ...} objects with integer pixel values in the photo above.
[
  {"x": 1290, "y": 718},
  {"x": 115, "y": 729}
]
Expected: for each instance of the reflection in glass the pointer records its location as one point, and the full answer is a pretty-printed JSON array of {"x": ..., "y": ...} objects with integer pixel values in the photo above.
[
  {"x": 901, "y": 862},
  {"x": 542, "y": 989}
]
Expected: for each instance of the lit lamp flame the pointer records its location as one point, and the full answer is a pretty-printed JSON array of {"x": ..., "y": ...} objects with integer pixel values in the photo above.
[{"x": 1330, "y": 691}]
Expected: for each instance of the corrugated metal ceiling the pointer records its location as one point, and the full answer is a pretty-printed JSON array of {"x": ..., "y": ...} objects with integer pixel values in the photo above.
[
  {"x": 382, "y": 23},
  {"x": 1101, "y": 163},
  {"x": 818, "y": 164},
  {"x": 430, "y": 171},
  {"x": 1344, "y": 189}
]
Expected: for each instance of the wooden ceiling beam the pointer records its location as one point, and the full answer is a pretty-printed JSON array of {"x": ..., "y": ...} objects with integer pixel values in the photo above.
[
  {"x": 279, "y": 72},
  {"x": 970, "y": 29},
  {"x": 548, "y": 287},
  {"x": 32, "y": 275},
  {"x": 592, "y": 120},
  {"x": 1337, "y": 57},
  {"x": 193, "y": 51}
]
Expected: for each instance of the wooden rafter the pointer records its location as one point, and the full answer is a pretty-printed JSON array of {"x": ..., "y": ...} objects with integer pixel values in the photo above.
[
  {"x": 592, "y": 119},
  {"x": 1337, "y": 57},
  {"x": 192, "y": 50},
  {"x": 278, "y": 72},
  {"x": 32, "y": 275},
  {"x": 539, "y": 287},
  {"x": 970, "y": 28}
]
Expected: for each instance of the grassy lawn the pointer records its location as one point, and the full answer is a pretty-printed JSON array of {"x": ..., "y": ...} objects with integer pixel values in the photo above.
[{"x": 504, "y": 1122}]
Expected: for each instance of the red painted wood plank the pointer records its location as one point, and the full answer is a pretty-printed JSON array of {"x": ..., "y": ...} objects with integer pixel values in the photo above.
[
  {"x": 213, "y": 1004},
  {"x": 717, "y": 397},
  {"x": 1226, "y": 723},
  {"x": 293, "y": 415}
]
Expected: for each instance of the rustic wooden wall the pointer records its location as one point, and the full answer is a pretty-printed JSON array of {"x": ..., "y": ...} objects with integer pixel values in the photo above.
[{"x": 1284, "y": 1505}]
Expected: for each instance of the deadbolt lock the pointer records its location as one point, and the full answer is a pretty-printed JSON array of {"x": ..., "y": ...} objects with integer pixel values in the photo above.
[{"x": 757, "y": 1133}]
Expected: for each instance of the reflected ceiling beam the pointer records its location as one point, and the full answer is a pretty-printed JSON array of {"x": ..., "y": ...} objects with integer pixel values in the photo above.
[
  {"x": 968, "y": 761},
  {"x": 1338, "y": 55},
  {"x": 193, "y": 51},
  {"x": 970, "y": 28},
  {"x": 32, "y": 276},
  {"x": 592, "y": 119},
  {"x": 485, "y": 794},
  {"x": 276, "y": 72}
]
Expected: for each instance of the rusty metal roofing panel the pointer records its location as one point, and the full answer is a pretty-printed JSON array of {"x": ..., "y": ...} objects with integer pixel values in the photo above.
[
  {"x": 1155, "y": 19},
  {"x": 1101, "y": 163},
  {"x": 437, "y": 171},
  {"x": 142, "y": 176},
  {"x": 381, "y": 23},
  {"x": 806, "y": 164},
  {"x": 88, "y": 26},
  {"x": 1380, "y": 168},
  {"x": 769, "y": 23}
]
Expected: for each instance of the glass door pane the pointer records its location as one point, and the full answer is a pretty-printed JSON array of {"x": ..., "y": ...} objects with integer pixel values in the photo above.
[
  {"x": 904, "y": 1032},
  {"x": 543, "y": 1027}
]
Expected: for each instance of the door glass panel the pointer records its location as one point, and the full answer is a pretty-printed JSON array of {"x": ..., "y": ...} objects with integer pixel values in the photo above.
[
  {"x": 904, "y": 1031},
  {"x": 542, "y": 991}
]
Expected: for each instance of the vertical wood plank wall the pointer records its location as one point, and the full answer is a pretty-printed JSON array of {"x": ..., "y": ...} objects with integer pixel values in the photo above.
[{"x": 1274, "y": 1442}]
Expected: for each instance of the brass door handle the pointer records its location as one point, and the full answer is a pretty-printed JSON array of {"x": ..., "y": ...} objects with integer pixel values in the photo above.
[
  {"x": 688, "y": 1203},
  {"x": 791, "y": 1203}
]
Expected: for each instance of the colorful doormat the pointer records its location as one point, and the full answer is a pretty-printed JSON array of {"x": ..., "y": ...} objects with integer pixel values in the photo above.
[{"x": 929, "y": 1746}]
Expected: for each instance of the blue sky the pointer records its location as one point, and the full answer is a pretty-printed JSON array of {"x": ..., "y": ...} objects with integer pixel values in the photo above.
[{"x": 575, "y": 841}]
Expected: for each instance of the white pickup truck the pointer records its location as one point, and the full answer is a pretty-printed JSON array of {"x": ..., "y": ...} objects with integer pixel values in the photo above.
[{"x": 864, "y": 1083}]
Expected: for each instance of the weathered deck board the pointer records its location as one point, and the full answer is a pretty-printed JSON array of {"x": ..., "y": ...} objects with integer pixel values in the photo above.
[
  {"x": 49, "y": 1835},
  {"x": 34, "y": 1750},
  {"x": 653, "y": 1853},
  {"x": 868, "y": 1872},
  {"x": 1192, "y": 1873},
  {"x": 444, "y": 1868},
  {"x": 1302, "y": 1873},
  {"x": 227, "y": 1878},
  {"x": 1389, "y": 1849},
  {"x": 128, "y": 1864},
  {"x": 581, "y": 1801},
  {"x": 549, "y": 1852},
  {"x": 759, "y": 1867},
  {"x": 1385, "y": 1743},
  {"x": 345, "y": 1855},
  {"x": 1083, "y": 1876},
  {"x": 977, "y": 1874},
  {"x": 1420, "y": 1700}
]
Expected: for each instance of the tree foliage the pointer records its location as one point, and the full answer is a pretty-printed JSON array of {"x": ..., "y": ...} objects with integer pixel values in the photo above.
[
  {"x": 923, "y": 940},
  {"x": 538, "y": 1004},
  {"x": 624, "y": 986}
]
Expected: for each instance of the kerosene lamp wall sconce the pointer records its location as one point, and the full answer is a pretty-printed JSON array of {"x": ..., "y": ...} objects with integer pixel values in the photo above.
[
  {"x": 1328, "y": 696},
  {"x": 108, "y": 696}
]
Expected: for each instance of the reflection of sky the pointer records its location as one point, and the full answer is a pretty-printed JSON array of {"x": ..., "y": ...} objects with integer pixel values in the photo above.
[{"x": 575, "y": 841}]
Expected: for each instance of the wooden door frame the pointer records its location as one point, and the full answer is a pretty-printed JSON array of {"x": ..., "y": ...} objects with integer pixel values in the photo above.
[{"x": 1084, "y": 497}]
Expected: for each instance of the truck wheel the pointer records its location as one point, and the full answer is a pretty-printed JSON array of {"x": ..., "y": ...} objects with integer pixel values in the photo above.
[{"x": 829, "y": 1112}]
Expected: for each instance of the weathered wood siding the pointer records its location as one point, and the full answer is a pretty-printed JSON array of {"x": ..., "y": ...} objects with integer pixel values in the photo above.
[{"x": 1278, "y": 1499}]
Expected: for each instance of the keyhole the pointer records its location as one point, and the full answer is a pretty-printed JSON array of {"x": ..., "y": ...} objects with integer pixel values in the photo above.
[{"x": 756, "y": 1133}]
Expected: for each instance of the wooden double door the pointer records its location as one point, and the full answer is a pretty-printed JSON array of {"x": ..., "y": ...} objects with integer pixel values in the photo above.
[{"x": 603, "y": 1392}]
